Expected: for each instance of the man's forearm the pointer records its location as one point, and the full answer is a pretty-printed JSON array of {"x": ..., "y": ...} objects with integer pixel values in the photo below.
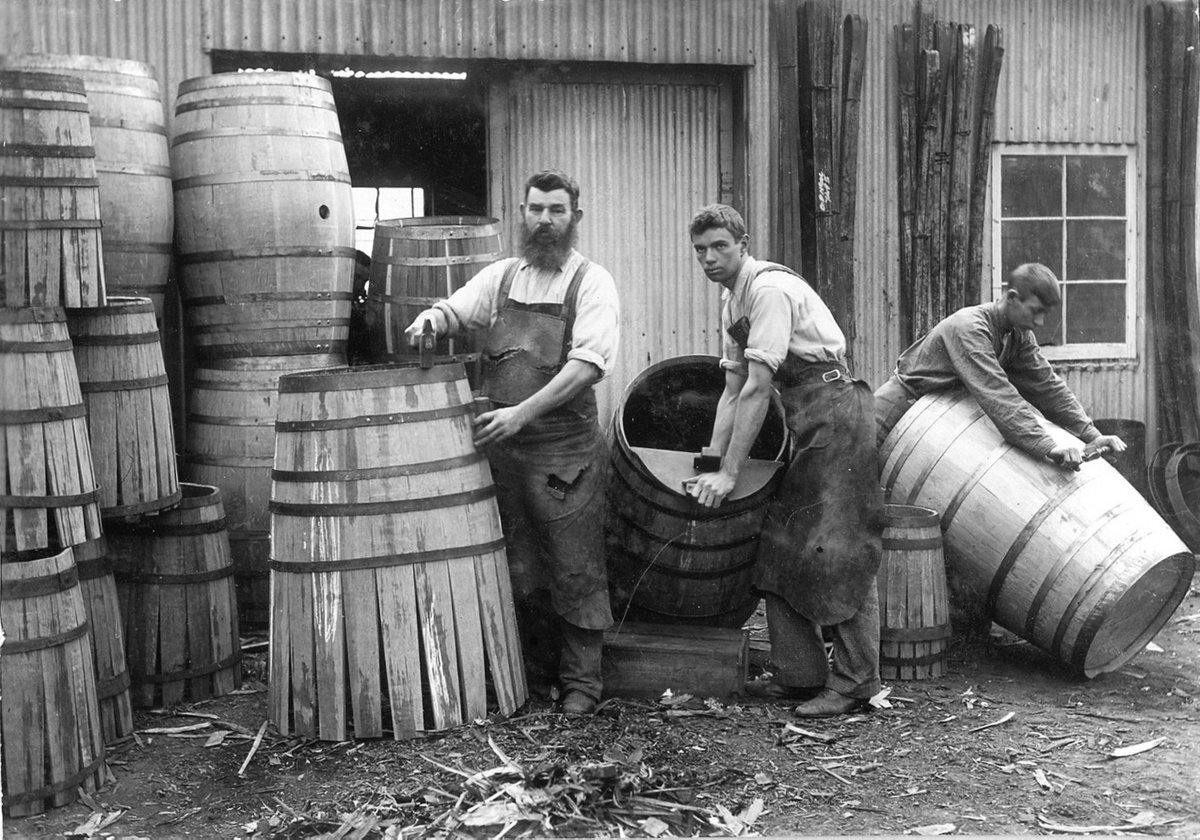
[{"x": 564, "y": 387}]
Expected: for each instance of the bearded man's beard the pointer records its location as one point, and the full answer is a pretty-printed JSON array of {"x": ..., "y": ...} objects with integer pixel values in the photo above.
[{"x": 546, "y": 249}]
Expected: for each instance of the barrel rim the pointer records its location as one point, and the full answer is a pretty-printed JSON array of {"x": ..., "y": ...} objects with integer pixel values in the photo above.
[
  {"x": 37, "y": 80},
  {"x": 236, "y": 79},
  {"x": 417, "y": 222},
  {"x": 33, "y": 315},
  {"x": 194, "y": 495},
  {"x": 39, "y": 61},
  {"x": 130, "y": 304},
  {"x": 364, "y": 377},
  {"x": 899, "y": 515}
]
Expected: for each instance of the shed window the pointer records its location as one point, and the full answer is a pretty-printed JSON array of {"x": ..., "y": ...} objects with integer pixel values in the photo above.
[{"x": 1071, "y": 208}]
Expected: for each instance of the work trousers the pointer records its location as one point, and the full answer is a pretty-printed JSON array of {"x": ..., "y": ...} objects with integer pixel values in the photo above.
[{"x": 798, "y": 649}]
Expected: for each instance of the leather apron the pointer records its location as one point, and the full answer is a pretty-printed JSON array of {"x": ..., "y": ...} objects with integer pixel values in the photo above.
[{"x": 551, "y": 476}]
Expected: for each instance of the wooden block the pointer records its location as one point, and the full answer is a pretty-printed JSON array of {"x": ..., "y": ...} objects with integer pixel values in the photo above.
[{"x": 644, "y": 660}]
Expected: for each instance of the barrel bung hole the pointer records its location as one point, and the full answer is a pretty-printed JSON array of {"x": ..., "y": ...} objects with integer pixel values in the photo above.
[{"x": 323, "y": 211}]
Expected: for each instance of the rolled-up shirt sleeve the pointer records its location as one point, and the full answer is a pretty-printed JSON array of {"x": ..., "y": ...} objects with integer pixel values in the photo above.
[
  {"x": 770, "y": 313},
  {"x": 596, "y": 334}
]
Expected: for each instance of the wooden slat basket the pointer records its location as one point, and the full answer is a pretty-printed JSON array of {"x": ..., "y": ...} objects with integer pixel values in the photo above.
[{"x": 914, "y": 607}]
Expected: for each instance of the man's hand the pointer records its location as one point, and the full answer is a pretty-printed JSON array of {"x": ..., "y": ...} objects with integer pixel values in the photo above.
[
  {"x": 710, "y": 489},
  {"x": 1111, "y": 443},
  {"x": 414, "y": 330},
  {"x": 1069, "y": 457},
  {"x": 500, "y": 424}
]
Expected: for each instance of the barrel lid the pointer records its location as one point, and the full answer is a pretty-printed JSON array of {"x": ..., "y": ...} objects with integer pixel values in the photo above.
[
  {"x": 671, "y": 468},
  {"x": 252, "y": 79}
]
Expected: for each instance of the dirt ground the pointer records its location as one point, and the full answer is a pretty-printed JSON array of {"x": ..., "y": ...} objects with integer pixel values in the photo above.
[{"x": 1003, "y": 744}]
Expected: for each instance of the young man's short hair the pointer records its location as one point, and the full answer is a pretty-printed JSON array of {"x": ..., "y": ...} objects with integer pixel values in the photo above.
[
  {"x": 718, "y": 216},
  {"x": 1035, "y": 279},
  {"x": 549, "y": 180}
]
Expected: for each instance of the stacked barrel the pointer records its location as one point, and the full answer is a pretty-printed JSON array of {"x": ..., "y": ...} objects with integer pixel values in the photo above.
[{"x": 265, "y": 255}]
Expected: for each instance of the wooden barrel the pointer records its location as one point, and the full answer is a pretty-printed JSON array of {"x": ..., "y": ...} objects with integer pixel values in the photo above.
[
  {"x": 264, "y": 223},
  {"x": 49, "y": 193},
  {"x": 231, "y": 445},
  {"x": 1077, "y": 563},
  {"x": 119, "y": 358},
  {"x": 52, "y": 744},
  {"x": 1181, "y": 478},
  {"x": 417, "y": 262},
  {"x": 389, "y": 574},
  {"x": 48, "y": 493},
  {"x": 175, "y": 581},
  {"x": 132, "y": 165},
  {"x": 914, "y": 610},
  {"x": 99, "y": 590},
  {"x": 670, "y": 559}
]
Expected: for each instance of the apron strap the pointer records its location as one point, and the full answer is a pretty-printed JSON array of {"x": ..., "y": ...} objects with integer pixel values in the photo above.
[{"x": 506, "y": 282}]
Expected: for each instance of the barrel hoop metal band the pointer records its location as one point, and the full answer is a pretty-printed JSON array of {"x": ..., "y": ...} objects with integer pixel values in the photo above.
[
  {"x": 111, "y": 687},
  {"x": 696, "y": 574},
  {"x": 174, "y": 580},
  {"x": 403, "y": 232},
  {"x": 295, "y": 176},
  {"x": 220, "y": 352},
  {"x": 901, "y": 661},
  {"x": 149, "y": 170},
  {"x": 382, "y": 376},
  {"x": 911, "y": 544},
  {"x": 34, "y": 502},
  {"x": 727, "y": 510},
  {"x": 265, "y": 297},
  {"x": 387, "y": 561},
  {"x": 46, "y": 414},
  {"x": 1017, "y": 548},
  {"x": 122, "y": 247},
  {"x": 238, "y": 132},
  {"x": 13, "y": 590},
  {"x": 46, "y": 151},
  {"x": 94, "y": 567},
  {"x": 143, "y": 529},
  {"x": 240, "y": 421},
  {"x": 437, "y": 262},
  {"x": 50, "y": 224},
  {"x": 70, "y": 783},
  {"x": 34, "y": 104},
  {"x": 11, "y": 646},
  {"x": 372, "y": 420},
  {"x": 130, "y": 125},
  {"x": 367, "y": 474},
  {"x": 116, "y": 340},
  {"x": 36, "y": 346},
  {"x": 405, "y": 300},
  {"x": 914, "y": 634},
  {"x": 276, "y": 326},
  {"x": 191, "y": 673},
  {"x": 681, "y": 544},
  {"x": 242, "y": 101},
  {"x": 31, "y": 181},
  {"x": 267, "y": 253},
  {"x": 139, "y": 508},
  {"x": 326, "y": 509},
  {"x": 123, "y": 384}
]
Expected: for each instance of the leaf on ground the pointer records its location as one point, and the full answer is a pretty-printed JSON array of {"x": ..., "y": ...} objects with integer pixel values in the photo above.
[
  {"x": 880, "y": 701},
  {"x": 1004, "y": 719},
  {"x": 935, "y": 830},
  {"x": 1125, "y": 752},
  {"x": 496, "y": 813},
  {"x": 654, "y": 827},
  {"x": 216, "y": 739}
]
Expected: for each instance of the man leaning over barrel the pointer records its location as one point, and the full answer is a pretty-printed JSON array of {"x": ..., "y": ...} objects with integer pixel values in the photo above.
[
  {"x": 552, "y": 332},
  {"x": 991, "y": 350},
  {"x": 820, "y": 547}
]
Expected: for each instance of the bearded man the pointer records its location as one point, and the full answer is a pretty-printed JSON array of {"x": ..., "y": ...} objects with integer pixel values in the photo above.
[{"x": 552, "y": 334}]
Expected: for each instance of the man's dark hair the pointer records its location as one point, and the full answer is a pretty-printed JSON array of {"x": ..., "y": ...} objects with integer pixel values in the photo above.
[
  {"x": 718, "y": 216},
  {"x": 1035, "y": 279},
  {"x": 554, "y": 179}
]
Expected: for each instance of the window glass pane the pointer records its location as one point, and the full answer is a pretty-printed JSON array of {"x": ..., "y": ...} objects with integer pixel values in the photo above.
[
  {"x": 1095, "y": 185},
  {"x": 1031, "y": 185},
  {"x": 1095, "y": 250},
  {"x": 1095, "y": 312},
  {"x": 1022, "y": 242}
]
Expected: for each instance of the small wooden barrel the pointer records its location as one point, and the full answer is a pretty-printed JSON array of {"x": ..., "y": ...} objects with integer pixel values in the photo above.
[
  {"x": 52, "y": 742},
  {"x": 389, "y": 574},
  {"x": 1181, "y": 478},
  {"x": 99, "y": 590},
  {"x": 1077, "y": 563},
  {"x": 670, "y": 559},
  {"x": 120, "y": 362},
  {"x": 231, "y": 445},
  {"x": 175, "y": 581},
  {"x": 914, "y": 610},
  {"x": 417, "y": 262},
  {"x": 49, "y": 193},
  {"x": 264, "y": 221},
  {"x": 48, "y": 493},
  {"x": 132, "y": 165}
]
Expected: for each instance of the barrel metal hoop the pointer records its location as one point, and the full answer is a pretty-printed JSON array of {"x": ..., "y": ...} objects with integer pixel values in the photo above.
[
  {"x": 113, "y": 686},
  {"x": 901, "y": 661},
  {"x": 305, "y": 509},
  {"x": 439, "y": 262},
  {"x": 35, "y": 104},
  {"x": 383, "y": 376},
  {"x": 470, "y": 227},
  {"x": 366, "y": 474},
  {"x": 276, "y": 325},
  {"x": 219, "y": 420},
  {"x": 174, "y": 580},
  {"x": 31, "y": 181},
  {"x": 218, "y": 352},
  {"x": 34, "y": 502},
  {"x": 915, "y": 634},
  {"x": 373, "y": 420},
  {"x": 728, "y": 510},
  {"x": 693, "y": 574},
  {"x": 116, "y": 340},
  {"x": 261, "y": 297},
  {"x": 47, "y": 151},
  {"x": 50, "y": 224},
  {"x": 36, "y": 346},
  {"x": 191, "y": 673},
  {"x": 386, "y": 561},
  {"x": 268, "y": 253},
  {"x": 675, "y": 542},
  {"x": 911, "y": 544},
  {"x": 70, "y": 783},
  {"x": 11, "y": 646},
  {"x": 123, "y": 384},
  {"x": 121, "y": 247},
  {"x": 47, "y": 414},
  {"x": 405, "y": 301},
  {"x": 138, "y": 508},
  {"x": 141, "y": 528},
  {"x": 130, "y": 125},
  {"x": 94, "y": 567},
  {"x": 294, "y": 176},
  {"x": 238, "y": 132},
  {"x": 14, "y": 590},
  {"x": 242, "y": 101}
]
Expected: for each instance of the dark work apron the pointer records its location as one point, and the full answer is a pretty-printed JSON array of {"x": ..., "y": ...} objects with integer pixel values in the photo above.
[{"x": 551, "y": 476}]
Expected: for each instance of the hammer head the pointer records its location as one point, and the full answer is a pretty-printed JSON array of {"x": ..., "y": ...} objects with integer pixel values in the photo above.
[{"x": 427, "y": 345}]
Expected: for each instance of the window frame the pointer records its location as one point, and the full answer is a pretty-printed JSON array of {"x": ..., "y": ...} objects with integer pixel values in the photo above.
[{"x": 1097, "y": 350}]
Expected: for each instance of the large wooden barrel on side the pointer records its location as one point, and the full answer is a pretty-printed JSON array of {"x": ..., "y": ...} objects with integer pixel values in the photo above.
[
  {"x": 49, "y": 193},
  {"x": 132, "y": 164},
  {"x": 175, "y": 582},
  {"x": 52, "y": 744},
  {"x": 389, "y": 577},
  {"x": 99, "y": 590},
  {"x": 119, "y": 358},
  {"x": 914, "y": 607},
  {"x": 670, "y": 559},
  {"x": 48, "y": 493},
  {"x": 1077, "y": 563},
  {"x": 264, "y": 223},
  {"x": 231, "y": 445},
  {"x": 417, "y": 262}
]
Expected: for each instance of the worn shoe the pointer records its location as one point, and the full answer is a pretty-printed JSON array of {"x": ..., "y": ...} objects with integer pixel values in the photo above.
[
  {"x": 578, "y": 703},
  {"x": 765, "y": 688},
  {"x": 829, "y": 703}
]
